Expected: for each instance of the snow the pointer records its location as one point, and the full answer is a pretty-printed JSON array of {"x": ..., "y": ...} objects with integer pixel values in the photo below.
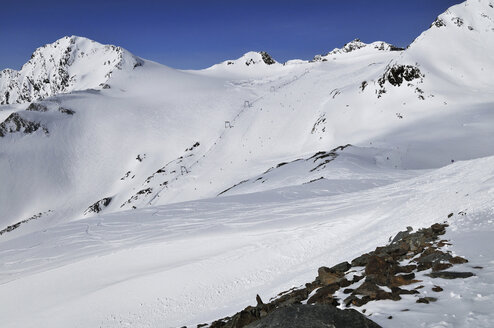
[
  {"x": 192, "y": 262},
  {"x": 168, "y": 251}
]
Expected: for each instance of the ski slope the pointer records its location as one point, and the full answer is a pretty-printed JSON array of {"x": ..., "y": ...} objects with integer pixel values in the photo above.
[
  {"x": 146, "y": 134},
  {"x": 192, "y": 262},
  {"x": 134, "y": 194}
]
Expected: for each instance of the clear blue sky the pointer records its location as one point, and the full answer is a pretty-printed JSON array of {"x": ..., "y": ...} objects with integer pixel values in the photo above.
[{"x": 197, "y": 34}]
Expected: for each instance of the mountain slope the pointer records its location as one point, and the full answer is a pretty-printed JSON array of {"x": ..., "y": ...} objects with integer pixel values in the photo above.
[
  {"x": 136, "y": 141},
  {"x": 198, "y": 261},
  {"x": 134, "y": 194},
  {"x": 69, "y": 64}
]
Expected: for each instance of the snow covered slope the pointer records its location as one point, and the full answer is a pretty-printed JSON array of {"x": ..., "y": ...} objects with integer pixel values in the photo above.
[
  {"x": 122, "y": 178},
  {"x": 150, "y": 135},
  {"x": 193, "y": 262}
]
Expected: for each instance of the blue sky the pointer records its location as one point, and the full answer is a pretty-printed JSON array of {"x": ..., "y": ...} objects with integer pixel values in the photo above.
[{"x": 197, "y": 34}]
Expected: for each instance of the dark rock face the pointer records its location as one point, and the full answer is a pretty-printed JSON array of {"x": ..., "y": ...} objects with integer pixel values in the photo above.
[
  {"x": 437, "y": 289},
  {"x": 438, "y": 23},
  {"x": 16, "y": 123},
  {"x": 402, "y": 234},
  {"x": 18, "y": 224},
  {"x": 426, "y": 300},
  {"x": 457, "y": 21},
  {"x": 450, "y": 274},
  {"x": 267, "y": 59},
  {"x": 396, "y": 74},
  {"x": 36, "y": 107},
  {"x": 313, "y": 316},
  {"x": 395, "y": 48},
  {"x": 98, "y": 206},
  {"x": 66, "y": 111},
  {"x": 195, "y": 145},
  {"x": 353, "y": 45}
]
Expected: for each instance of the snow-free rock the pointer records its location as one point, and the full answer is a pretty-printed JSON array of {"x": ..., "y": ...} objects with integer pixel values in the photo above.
[{"x": 314, "y": 316}]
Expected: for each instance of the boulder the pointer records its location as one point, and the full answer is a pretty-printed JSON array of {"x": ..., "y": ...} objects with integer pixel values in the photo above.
[
  {"x": 313, "y": 316},
  {"x": 326, "y": 276},
  {"x": 324, "y": 295},
  {"x": 450, "y": 275}
]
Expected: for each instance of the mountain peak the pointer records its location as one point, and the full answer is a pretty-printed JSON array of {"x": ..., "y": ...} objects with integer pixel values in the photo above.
[
  {"x": 68, "y": 64},
  {"x": 356, "y": 45},
  {"x": 249, "y": 59},
  {"x": 451, "y": 38},
  {"x": 471, "y": 15}
]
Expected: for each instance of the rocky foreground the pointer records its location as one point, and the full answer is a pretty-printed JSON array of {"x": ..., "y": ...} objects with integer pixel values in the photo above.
[{"x": 383, "y": 274}]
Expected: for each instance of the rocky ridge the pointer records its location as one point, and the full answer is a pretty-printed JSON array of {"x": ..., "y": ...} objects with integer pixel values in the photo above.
[
  {"x": 32, "y": 119},
  {"x": 314, "y": 163},
  {"x": 356, "y": 45},
  {"x": 251, "y": 58},
  {"x": 383, "y": 274}
]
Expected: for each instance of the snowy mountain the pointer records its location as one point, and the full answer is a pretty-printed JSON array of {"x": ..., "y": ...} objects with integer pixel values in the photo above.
[
  {"x": 123, "y": 178},
  {"x": 69, "y": 64},
  {"x": 356, "y": 45}
]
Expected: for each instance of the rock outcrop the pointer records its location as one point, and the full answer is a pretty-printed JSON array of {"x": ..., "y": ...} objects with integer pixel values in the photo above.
[
  {"x": 15, "y": 122},
  {"x": 383, "y": 274},
  {"x": 313, "y": 316}
]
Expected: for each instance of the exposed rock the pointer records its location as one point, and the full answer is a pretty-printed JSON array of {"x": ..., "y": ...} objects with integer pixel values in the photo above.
[
  {"x": 450, "y": 274},
  {"x": 16, "y": 123},
  {"x": 267, "y": 58},
  {"x": 434, "y": 256},
  {"x": 324, "y": 295},
  {"x": 361, "y": 260},
  {"x": 328, "y": 277},
  {"x": 397, "y": 73},
  {"x": 437, "y": 289},
  {"x": 438, "y": 23},
  {"x": 363, "y": 85},
  {"x": 341, "y": 267},
  {"x": 400, "y": 280},
  {"x": 313, "y": 316},
  {"x": 373, "y": 291},
  {"x": 37, "y": 107},
  {"x": 457, "y": 21},
  {"x": 195, "y": 145},
  {"x": 319, "y": 159},
  {"x": 458, "y": 260},
  {"x": 438, "y": 266},
  {"x": 400, "y": 235},
  {"x": 18, "y": 224},
  {"x": 384, "y": 273},
  {"x": 293, "y": 297},
  {"x": 49, "y": 70},
  {"x": 98, "y": 206},
  {"x": 66, "y": 111},
  {"x": 426, "y": 300}
]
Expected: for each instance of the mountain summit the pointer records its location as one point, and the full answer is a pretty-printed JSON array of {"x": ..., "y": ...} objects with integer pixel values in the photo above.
[{"x": 68, "y": 64}]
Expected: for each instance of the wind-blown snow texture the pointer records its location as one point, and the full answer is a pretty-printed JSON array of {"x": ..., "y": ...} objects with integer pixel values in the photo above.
[{"x": 111, "y": 167}]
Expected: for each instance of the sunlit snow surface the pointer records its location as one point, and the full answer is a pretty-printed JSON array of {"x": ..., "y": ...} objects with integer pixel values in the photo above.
[
  {"x": 186, "y": 255},
  {"x": 192, "y": 262}
]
